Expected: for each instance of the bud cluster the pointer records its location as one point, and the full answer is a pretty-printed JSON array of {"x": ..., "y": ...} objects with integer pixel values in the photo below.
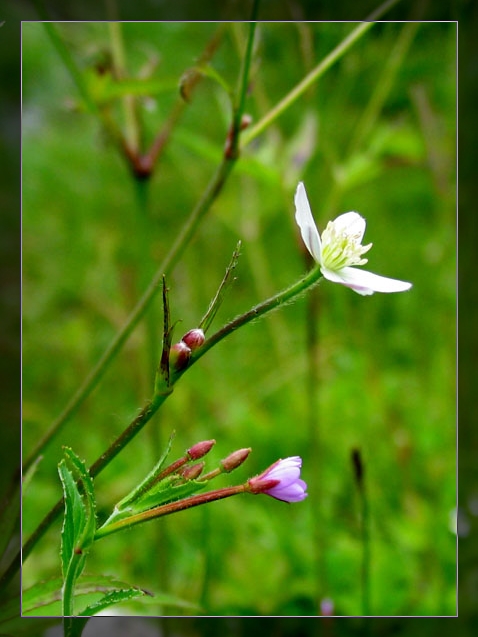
[{"x": 180, "y": 352}]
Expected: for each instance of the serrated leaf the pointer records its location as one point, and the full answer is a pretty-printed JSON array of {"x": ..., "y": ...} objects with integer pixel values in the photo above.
[
  {"x": 111, "y": 598},
  {"x": 74, "y": 518},
  {"x": 158, "y": 496},
  {"x": 88, "y": 497},
  {"x": 43, "y": 595},
  {"x": 144, "y": 485},
  {"x": 44, "y": 599}
]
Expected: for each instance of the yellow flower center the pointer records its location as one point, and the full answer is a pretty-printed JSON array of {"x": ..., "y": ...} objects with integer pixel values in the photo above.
[{"x": 342, "y": 247}]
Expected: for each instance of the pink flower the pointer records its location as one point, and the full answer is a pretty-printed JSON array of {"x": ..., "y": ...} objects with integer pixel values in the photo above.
[{"x": 281, "y": 481}]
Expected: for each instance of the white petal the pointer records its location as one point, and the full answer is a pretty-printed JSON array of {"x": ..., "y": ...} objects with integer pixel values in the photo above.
[
  {"x": 352, "y": 223},
  {"x": 306, "y": 223},
  {"x": 364, "y": 282}
]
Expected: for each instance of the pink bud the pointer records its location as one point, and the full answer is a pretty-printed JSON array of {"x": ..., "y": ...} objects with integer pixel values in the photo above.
[
  {"x": 193, "y": 472},
  {"x": 179, "y": 356},
  {"x": 235, "y": 459},
  {"x": 200, "y": 449},
  {"x": 194, "y": 338}
]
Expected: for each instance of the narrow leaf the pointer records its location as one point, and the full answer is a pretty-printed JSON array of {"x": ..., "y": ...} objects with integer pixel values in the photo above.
[
  {"x": 111, "y": 598},
  {"x": 88, "y": 497},
  {"x": 74, "y": 519}
]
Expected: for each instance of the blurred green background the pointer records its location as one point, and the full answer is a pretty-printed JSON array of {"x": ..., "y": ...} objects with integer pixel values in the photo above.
[{"x": 328, "y": 374}]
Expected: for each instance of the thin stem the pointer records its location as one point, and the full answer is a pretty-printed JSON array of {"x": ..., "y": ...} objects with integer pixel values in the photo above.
[
  {"x": 293, "y": 291},
  {"x": 71, "y": 576},
  {"x": 80, "y": 83},
  {"x": 162, "y": 137},
  {"x": 366, "y": 554},
  {"x": 73, "y": 626},
  {"x": 244, "y": 78},
  {"x": 219, "y": 296},
  {"x": 119, "y": 65},
  {"x": 72, "y": 68},
  {"x": 209, "y": 196},
  {"x": 128, "y": 434},
  {"x": 359, "y": 471},
  {"x": 171, "y": 507},
  {"x": 314, "y": 75},
  {"x": 382, "y": 87},
  {"x": 212, "y": 191}
]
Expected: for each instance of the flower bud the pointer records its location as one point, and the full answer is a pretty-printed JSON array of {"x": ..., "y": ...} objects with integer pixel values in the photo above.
[
  {"x": 281, "y": 481},
  {"x": 179, "y": 356},
  {"x": 234, "y": 460},
  {"x": 194, "y": 338},
  {"x": 200, "y": 449},
  {"x": 193, "y": 472}
]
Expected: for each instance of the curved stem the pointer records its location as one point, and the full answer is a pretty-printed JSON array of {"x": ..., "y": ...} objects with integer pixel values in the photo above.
[
  {"x": 293, "y": 291},
  {"x": 314, "y": 75}
]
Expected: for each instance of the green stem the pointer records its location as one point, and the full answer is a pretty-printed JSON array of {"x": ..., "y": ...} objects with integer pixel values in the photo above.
[
  {"x": 212, "y": 191},
  {"x": 366, "y": 554},
  {"x": 314, "y": 75},
  {"x": 74, "y": 569},
  {"x": 244, "y": 77},
  {"x": 80, "y": 83},
  {"x": 128, "y": 434},
  {"x": 383, "y": 87},
  {"x": 73, "y": 626},
  {"x": 130, "y": 120},
  {"x": 293, "y": 291},
  {"x": 171, "y": 507}
]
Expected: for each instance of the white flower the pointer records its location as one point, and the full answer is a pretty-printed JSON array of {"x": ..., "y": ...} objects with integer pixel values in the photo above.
[{"x": 341, "y": 247}]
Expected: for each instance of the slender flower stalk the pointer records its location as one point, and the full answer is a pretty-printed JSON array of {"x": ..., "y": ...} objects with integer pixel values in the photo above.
[{"x": 340, "y": 248}]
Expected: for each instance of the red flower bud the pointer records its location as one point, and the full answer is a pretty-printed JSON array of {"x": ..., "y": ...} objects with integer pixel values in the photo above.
[
  {"x": 235, "y": 459},
  {"x": 193, "y": 472},
  {"x": 194, "y": 338},
  {"x": 179, "y": 356},
  {"x": 200, "y": 449}
]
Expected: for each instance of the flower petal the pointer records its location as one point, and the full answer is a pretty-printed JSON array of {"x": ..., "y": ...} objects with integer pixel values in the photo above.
[
  {"x": 306, "y": 223},
  {"x": 351, "y": 223},
  {"x": 364, "y": 282},
  {"x": 295, "y": 492}
]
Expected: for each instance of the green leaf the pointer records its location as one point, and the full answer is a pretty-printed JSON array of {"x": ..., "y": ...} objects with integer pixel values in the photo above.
[
  {"x": 44, "y": 599},
  {"x": 162, "y": 494},
  {"x": 111, "y": 598},
  {"x": 190, "y": 77},
  {"x": 88, "y": 497},
  {"x": 74, "y": 519},
  {"x": 145, "y": 484},
  {"x": 79, "y": 524}
]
